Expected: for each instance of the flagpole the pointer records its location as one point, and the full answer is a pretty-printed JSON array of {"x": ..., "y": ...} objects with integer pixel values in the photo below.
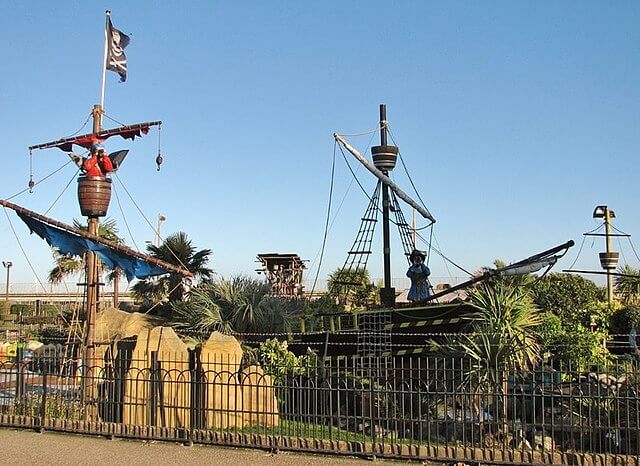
[{"x": 104, "y": 60}]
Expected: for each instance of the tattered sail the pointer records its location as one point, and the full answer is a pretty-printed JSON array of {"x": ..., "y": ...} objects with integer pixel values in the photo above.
[
  {"x": 71, "y": 240},
  {"x": 87, "y": 140}
]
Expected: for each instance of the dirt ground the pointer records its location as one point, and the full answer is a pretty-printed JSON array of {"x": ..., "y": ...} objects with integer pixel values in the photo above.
[{"x": 51, "y": 449}]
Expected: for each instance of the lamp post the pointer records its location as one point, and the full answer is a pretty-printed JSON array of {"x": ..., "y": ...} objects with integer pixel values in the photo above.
[
  {"x": 161, "y": 218},
  {"x": 7, "y": 265}
]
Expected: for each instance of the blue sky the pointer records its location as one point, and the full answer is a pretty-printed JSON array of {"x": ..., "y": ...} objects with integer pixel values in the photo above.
[{"x": 514, "y": 118}]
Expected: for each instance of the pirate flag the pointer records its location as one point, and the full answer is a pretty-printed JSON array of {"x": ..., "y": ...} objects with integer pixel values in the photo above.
[{"x": 116, "y": 43}]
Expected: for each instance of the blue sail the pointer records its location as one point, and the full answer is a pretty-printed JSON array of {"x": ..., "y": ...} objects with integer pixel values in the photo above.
[{"x": 69, "y": 243}]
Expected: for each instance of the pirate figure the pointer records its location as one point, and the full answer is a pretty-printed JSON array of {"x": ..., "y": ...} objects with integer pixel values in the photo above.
[
  {"x": 99, "y": 164},
  {"x": 418, "y": 273}
]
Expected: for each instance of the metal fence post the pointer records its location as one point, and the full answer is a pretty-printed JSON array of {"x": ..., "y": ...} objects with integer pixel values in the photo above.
[
  {"x": 19, "y": 373},
  {"x": 153, "y": 389},
  {"x": 43, "y": 403}
]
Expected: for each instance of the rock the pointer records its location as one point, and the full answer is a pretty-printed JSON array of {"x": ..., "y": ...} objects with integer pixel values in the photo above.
[
  {"x": 114, "y": 324},
  {"x": 171, "y": 383},
  {"x": 259, "y": 403},
  {"x": 221, "y": 356},
  {"x": 543, "y": 442},
  {"x": 223, "y": 351}
]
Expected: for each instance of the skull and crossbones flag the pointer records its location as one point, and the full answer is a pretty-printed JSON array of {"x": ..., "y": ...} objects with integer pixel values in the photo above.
[{"x": 116, "y": 43}]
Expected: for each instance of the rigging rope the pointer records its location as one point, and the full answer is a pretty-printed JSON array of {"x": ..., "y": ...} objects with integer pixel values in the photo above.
[
  {"x": 113, "y": 119},
  {"x": 326, "y": 224},
  {"x": 148, "y": 222},
  {"x": 83, "y": 125},
  {"x": 160, "y": 301},
  {"x": 39, "y": 181},
  {"x": 405, "y": 169},
  {"x": 63, "y": 191},
  {"x": 633, "y": 248},
  {"x": 344, "y": 198},
  {"x": 124, "y": 218},
  {"x": 425, "y": 241},
  {"x": 579, "y": 251},
  {"x": 24, "y": 253},
  {"x": 371, "y": 131},
  {"x": 443, "y": 256}
]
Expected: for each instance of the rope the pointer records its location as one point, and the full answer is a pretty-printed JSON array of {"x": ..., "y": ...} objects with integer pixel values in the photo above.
[
  {"x": 429, "y": 243},
  {"x": 406, "y": 171},
  {"x": 353, "y": 173},
  {"x": 83, "y": 125},
  {"x": 33, "y": 270},
  {"x": 124, "y": 218},
  {"x": 148, "y": 222},
  {"x": 624, "y": 258},
  {"x": 113, "y": 119},
  {"x": 633, "y": 248},
  {"x": 63, "y": 191},
  {"x": 443, "y": 256},
  {"x": 374, "y": 130},
  {"x": 39, "y": 181},
  {"x": 326, "y": 224},
  {"x": 160, "y": 302},
  {"x": 430, "y": 240},
  {"x": 338, "y": 210},
  {"x": 579, "y": 251}
]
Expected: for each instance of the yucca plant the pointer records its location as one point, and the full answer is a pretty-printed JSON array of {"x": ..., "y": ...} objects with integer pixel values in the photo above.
[
  {"x": 628, "y": 285},
  {"x": 500, "y": 340}
]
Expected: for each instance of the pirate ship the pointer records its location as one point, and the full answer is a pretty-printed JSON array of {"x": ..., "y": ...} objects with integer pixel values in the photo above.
[
  {"x": 394, "y": 328},
  {"x": 94, "y": 194},
  {"x": 374, "y": 328}
]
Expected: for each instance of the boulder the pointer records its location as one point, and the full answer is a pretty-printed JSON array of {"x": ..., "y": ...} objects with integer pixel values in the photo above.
[
  {"x": 163, "y": 391},
  {"x": 222, "y": 351},
  {"x": 259, "y": 403},
  {"x": 220, "y": 357}
]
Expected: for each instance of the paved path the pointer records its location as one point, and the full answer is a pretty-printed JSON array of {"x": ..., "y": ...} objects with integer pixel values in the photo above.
[{"x": 52, "y": 449}]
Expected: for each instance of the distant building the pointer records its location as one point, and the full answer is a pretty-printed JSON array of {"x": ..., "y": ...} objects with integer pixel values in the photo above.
[{"x": 283, "y": 273}]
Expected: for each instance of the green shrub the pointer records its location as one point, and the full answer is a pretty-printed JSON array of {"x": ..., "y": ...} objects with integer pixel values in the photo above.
[
  {"x": 5, "y": 307},
  {"x": 572, "y": 346},
  {"x": 570, "y": 297},
  {"x": 277, "y": 361},
  {"x": 23, "y": 309},
  {"x": 52, "y": 309},
  {"x": 624, "y": 319}
]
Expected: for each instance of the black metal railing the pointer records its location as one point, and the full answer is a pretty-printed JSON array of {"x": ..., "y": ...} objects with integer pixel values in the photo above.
[{"x": 419, "y": 407}]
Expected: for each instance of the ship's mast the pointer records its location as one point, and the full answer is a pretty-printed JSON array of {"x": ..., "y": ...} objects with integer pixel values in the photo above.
[
  {"x": 93, "y": 277},
  {"x": 384, "y": 158}
]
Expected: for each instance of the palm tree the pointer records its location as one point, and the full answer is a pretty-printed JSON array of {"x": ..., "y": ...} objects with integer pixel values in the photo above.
[
  {"x": 67, "y": 265},
  {"x": 524, "y": 280},
  {"x": 503, "y": 329},
  {"x": 239, "y": 304},
  {"x": 352, "y": 288},
  {"x": 501, "y": 338},
  {"x": 178, "y": 250},
  {"x": 628, "y": 285}
]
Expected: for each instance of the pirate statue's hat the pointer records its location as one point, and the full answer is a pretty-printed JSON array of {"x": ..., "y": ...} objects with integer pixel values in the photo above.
[{"x": 417, "y": 253}]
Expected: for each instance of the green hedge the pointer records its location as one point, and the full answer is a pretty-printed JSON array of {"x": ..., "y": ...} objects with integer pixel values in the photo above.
[{"x": 30, "y": 309}]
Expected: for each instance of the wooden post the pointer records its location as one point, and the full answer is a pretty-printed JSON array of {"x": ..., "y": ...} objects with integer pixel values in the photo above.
[
  {"x": 607, "y": 230},
  {"x": 93, "y": 279},
  {"x": 116, "y": 290}
]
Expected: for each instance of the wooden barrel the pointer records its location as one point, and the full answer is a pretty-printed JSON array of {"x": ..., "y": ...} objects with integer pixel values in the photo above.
[
  {"x": 609, "y": 260},
  {"x": 94, "y": 194}
]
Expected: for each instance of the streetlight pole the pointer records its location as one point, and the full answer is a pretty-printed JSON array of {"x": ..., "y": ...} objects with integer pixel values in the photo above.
[
  {"x": 161, "y": 218},
  {"x": 7, "y": 265}
]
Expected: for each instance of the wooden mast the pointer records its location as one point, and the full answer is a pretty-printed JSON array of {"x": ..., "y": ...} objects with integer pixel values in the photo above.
[{"x": 92, "y": 264}]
